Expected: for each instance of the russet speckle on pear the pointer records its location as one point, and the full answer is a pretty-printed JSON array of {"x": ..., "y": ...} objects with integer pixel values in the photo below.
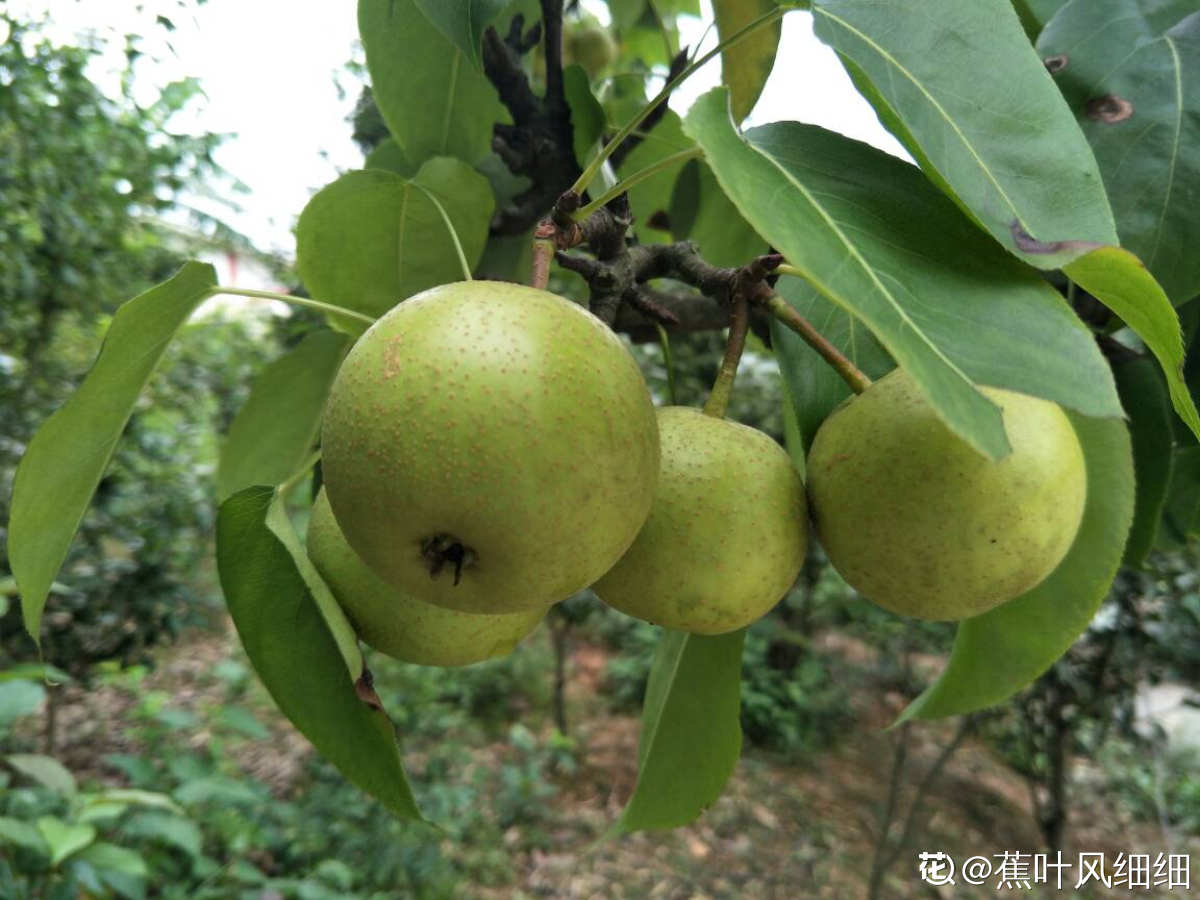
[
  {"x": 489, "y": 447},
  {"x": 398, "y": 624},
  {"x": 922, "y": 524},
  {"x": 726, "y": 535}
]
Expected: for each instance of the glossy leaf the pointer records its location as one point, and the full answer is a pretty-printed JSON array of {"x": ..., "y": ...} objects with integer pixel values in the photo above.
[
  {"x": 1000, "y": 652},
  {"x": 1149, "y": 409},
  {"x": 701, "y": 212},
  {"x": 298, "y": 660},
  {"x": 1121, "y": 282},
  {"x": 276, "y": 429},
  {"x": 1146, "y": 135},
  {"x": 961, "y": 87},
  {"x": 587, "y": 115},
  {"x": 45, "y": 770},
  {"x": 68, "y": 455},
  {"x": 462, "y": 22},
  {"x": 691, "y": 736},
  {"x": 746, "y": 65},
  {"x": 816, "y": 387},
  {"x": 873, "y": 236},
  {"x": 62, "y": 838},
  {"x": 651, "y": 199},
  {"x": 373, "y": 238},
  {"x": 434, "y": 101}
]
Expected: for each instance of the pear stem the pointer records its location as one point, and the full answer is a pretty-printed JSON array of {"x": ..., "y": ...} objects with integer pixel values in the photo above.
[
  {"x": 787, "y": 315},
  {"x": 543, "y": 252},
  {"x": 722, "y": 389}
]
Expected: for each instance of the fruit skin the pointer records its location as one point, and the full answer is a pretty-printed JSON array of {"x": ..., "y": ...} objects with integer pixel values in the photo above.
[
  {"x": 399, "y": 624},
  {"x": 923, "y": 525},
  {"x": 496, "y": 424},
  {"x": 590, "y": 45},
  {"x": 726, "y": 535}
]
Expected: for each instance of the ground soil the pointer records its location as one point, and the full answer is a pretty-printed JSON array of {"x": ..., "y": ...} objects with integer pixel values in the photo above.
[{"x": 782, "y": 829}]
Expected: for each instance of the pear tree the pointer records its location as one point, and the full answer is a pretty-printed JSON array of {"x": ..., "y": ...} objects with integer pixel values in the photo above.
[{"x": 985, "y": 353}]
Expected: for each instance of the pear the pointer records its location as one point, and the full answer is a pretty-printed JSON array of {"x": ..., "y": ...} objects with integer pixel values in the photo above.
[
  {"x": 726, "y": 535},
  {"x": 922, "y": 524},
  {"x": 399, "y": 624},
  {"x": 489, "y": 447}
]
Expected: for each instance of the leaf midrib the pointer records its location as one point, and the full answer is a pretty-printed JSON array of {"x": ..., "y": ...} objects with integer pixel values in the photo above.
[
  {"x": 891, "y": 60},
  {"x": 1158, "y": 231},
  {"x": 852, "y": 249}
]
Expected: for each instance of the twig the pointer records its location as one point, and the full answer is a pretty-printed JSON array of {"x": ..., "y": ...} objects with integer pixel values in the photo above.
[
  {"x": 787, "y": 315},
  {"x": 722, "y": 390}
]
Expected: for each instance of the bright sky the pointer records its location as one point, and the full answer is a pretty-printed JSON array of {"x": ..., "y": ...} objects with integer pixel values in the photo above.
[{"x": 275, "y": 81}]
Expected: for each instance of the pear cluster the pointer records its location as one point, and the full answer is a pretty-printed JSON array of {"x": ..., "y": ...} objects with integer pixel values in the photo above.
[{"x": 489, "y": 449}]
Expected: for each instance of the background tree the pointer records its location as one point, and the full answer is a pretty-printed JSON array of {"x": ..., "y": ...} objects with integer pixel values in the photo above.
[{"x": 87, "y": 178}]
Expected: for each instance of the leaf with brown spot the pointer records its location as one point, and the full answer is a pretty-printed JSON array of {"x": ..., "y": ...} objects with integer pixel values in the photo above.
[{"x": 1134, "y": 85}]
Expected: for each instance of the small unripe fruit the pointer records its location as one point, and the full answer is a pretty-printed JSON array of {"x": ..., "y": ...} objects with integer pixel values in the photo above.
[
  {"x": 726, "y": 535},
  {"x": 489, "y": 447},
  {"x": 398, "y": 624},
  {"x": 591, "y": 46},
  {"x": 922, "y": 524}
]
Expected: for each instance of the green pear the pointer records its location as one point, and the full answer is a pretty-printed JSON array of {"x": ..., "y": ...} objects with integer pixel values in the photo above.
[
  {"x": 397, "y": 623},
  {"x": 590, "y": 45},
  {"x": 726, "y": 535},
  {"x": 489, "y": 447},
  {"x": 922, "y": 524}
]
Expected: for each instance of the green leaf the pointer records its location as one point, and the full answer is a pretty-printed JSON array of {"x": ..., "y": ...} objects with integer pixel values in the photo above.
[
  {"x": 373, "y": 238},
  {"x": 961, "y": 87},
  {"x": 19, "y": 698},
  {"x": 101, "y": 812},
  {"x": 1034, "y": 14},
  {"x": 874, "y": 237},
  {"x": 1181, "y": 511},
  {"x": 116, "y": 859},
  {"x": 135, "y": 797},
  {"x": 435, "y": 103},
  {"x": 64, "y": 839},
  {"x": 814, "y": 384},
  {"x": 463, "y": 23},
  {"x": 1145, "y": 400},
  {"x": 275, "y": 431},
  {"x": 625, "y": 13},
  {"x": 66, "y": 458},
  {"x": 165, "y": 828},
  {"x": 338, "y": 625},
  {"x": 746, "y": 65},
  {"x": 298, "y": 660},
  {"x": 1149, "y": 150},
  {"x": 45, "y": 770},
  {"x": 587, "y": 115},
  {"x": 701, "y": 212},
  {"x": 390, "y": 155},
  {"x": 691, "y": 736},
  {"x": 1119, "y": 280},
  {"x": 1000, "y": 652},
  {"x": 14, "y": 831},
  {"x": 651, "y": 199}
]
